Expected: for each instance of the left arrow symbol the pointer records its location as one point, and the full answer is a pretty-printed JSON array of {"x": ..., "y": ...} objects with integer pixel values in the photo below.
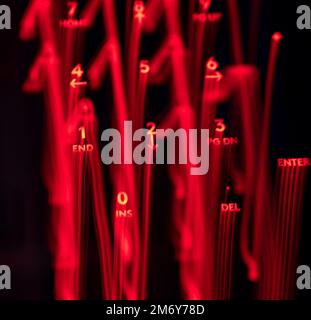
[{"x": 74, "y": 83}]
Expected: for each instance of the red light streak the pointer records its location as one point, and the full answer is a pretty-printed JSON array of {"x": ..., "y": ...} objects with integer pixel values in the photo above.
[
  {"x": 263, "y": 194},
  {"x": 279, "y": 282},
  {"x": 225, "y": 252},
  {"x": 277, "y": 36},
  {"x": 204, "y": 220},
  {"x": 235, "y": 28},
  {"x": 143, "y": 79},
  {"x": 254, "y": 30}
]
